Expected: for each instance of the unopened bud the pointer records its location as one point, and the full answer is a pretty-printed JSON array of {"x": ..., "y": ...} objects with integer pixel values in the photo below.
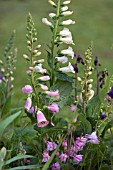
[{"x": 52, "y": 3}]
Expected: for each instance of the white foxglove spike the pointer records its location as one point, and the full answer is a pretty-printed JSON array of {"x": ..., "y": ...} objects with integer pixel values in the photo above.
[
  {"x": 68, "y": 69},
  {"x": 62, "y": 59},
  {"x": 68, "y": 52}
]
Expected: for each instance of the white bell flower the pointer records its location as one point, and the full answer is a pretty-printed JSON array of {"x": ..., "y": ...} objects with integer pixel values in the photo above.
[
  {"x": 38, "y": 67},
  {"x": 68, "y": 22},
  {"x": 65, "y": 8},
  {"x": 68, "y": 52},
  {"x": 65, "y": 32},
  {"x": 66, "y": 13},
  {"x": 68, "y": 69},
  {"x": 62, "y": 59},
  {"x": 52, "y": 3},
  {"x": 67, "y": 40},
  {"x": 46, "y": 22},
  {"x": 66, "y": 2},
  {"x": 52, "y": 15}
]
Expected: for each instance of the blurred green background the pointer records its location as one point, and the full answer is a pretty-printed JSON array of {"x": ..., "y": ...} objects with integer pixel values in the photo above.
[{"x": 94, "y": 22}]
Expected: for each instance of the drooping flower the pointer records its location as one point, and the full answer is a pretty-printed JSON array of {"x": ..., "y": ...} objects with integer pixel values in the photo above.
[
  {"x": 92, "y": 138},
  {"x": 66, "y": 2},
  {"x": 41, "y": 120},
  {"x": 72, "y": 107},
  {"x": 68, "y": 52},
  {"x": 63, "y": 157},
  {"x": 27, "y": 89},
  {"x": 51, "y": 146},
  {"x": 38, "y": 67},
  {"x": 66, "y": 13},
  {"x": 65, "y": 33},
  {"x": 43, "y": 87},
  {"x": 53, "y": 93},
  {"x": 77, "y": 158},
  {"x": 46, "y": 22},
  {"x": 44, "y": 78},
  {"x": 75, "y": 119},
  {"x": 64, "y": 143},
  {"x": 55, "y": 166},
  {"x": 62, "y": 59},
  {"x": 68, "y": 22},
  {"x": 28, "y": 104},
  {"x": 64, "y": 8},
  {"x": 80, "y": 143},
  {"x": 52, "y": 3},
  {"x": 53, "y": 108},
  {"x": 110, "y": 93},
  {"x": 67, "y": 69},
  {"x": 45, "y": 156},
  {"x": 67, "y": 40},
  {"x": 52, "y": 15}
]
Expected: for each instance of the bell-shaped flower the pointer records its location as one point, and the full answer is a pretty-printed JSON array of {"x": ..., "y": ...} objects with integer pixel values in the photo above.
[
  {"x": 53, "y": 108},
  {"x": 92, "y": 138},
  {"x": 38, "y": 67},
  {"x": 44, "y": 78},
  {"x": 53, "y": 93},
  {"x": 67, "y": 40},
  {"x": 77, "y": 158},
  {"x": 28, "y": 104},
  {"x": 65, "y": 33},
  {"x": 67, "y": 69},
  {"x": 66, "y": 2},
  {"x": 45, "y": 156},
  {"x": 46, "y": 22},
  {"x": 52, "y": 15},
  {"x": 27, "y": 89},
  {"x": 32, "y": 109},
  {"x": 51, "y": 146},
  {"x": 64, "y": 8},
  {"x": 68, "y": 22},
  {"x": 110, "y": 93},
  {"x": 41, "y": 120},
  {"x": 80, "y": 143},
  {"x": 63, "y": 157},
  {"x": 62, "y": 59},
  {"x": 52, "y": 3},
  {"x": 43, "y": 87},
  {"x": 68, "y": 52},
  {"x": 66, "y": 13}
]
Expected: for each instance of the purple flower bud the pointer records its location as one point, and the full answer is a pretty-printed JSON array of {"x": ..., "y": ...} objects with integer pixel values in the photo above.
[
  {"x": 80, "y": 143},
  {"x": 53, "y": 108},
  {"x": 45, "y": 156},
  {"x": 64, "y": 143},
  {"x": 72, "y": 107},
  {"x": 77, "y": 158},
  {"x": 103, "y": 116},
  {"x": 27, "y": 89},
  {"x": 63, "y": 157},
  {"x": 28, "y": 104},
  {"x": 111, "y": 92}
]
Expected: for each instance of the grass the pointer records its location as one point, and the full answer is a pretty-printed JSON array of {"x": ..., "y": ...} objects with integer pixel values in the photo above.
[{"x": 93, "y": 23}]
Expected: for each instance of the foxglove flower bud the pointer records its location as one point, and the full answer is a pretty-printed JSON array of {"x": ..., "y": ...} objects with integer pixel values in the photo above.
[
  {"x": 77, "y": 158},
  {"x": 44, "y": 78},
  {"x": 63, "y": 157},
  {"x": 43, "y": 87},
  {"x": 52, "y": 15},
  {"x": 65, "y": 33},
  {"x": 68, "y": 52},
  {"x": 46, "y": 22},
  {"x": 45, "y": 156},
  {"x": 67, "y": 69},
  {"x": 53, "y": 108},
  {"x": 67, "y": 40},
  {"x": 52, "y": 3},
  {"x": 53, "y": 93},
  {"x": 27, "y": 89},
  {"x": 38, "y": 67},
  {"x": 68, "y": 22},
  {"x": 65, "y": 8},
  {"x": 51, "y": 146},
  {"x": 41, "y": 120},
  {"x": 66, "y": 2}
]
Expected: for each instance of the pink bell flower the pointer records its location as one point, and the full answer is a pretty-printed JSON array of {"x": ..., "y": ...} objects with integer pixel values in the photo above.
[
  {"x": 63, "y": 157},
  {"x": 80, "y": 143},
  {"x": 53, "y": 93},
  {"x": 28, "y": 104},
  {"x": 72, "y": 107},
  {"x": 51, "y": 146},
  {"x": 43, "y": 87},
  {"x": 27, "y": 89},
  {"x": 53, "y": 108},
  {"x": 92, "y": 138},
  {"x": 44, "y": 78},
  {"x": 77, "y": 158},
  {"x": 41, "y": 120},
  {"x": 45, "y": 156}
]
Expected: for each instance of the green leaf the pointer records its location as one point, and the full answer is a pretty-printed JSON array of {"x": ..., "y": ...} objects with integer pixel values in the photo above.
[
  {"x": 63, "y": 77},
  {"x": 101, "y": 125},
  {"x": 4, "y": 123},
  {"x": 17, "y": 158},
  {"x": 53, "y": 130},
  {"x": 84, "y": 126},
  {"x": 93, "y": 107},
  {"x": 65, "y": 89},
  {"x": 7, "y": 106},
  {"x": 26, "y": 167}
]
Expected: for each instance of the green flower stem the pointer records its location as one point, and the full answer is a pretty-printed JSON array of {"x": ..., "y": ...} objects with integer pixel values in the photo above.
[
  {"x": 97, "y": 92},
  {"x": 32, "y": 76},
  {"x": 75, "y": 86},
  {"x": 53, "y": 43}
]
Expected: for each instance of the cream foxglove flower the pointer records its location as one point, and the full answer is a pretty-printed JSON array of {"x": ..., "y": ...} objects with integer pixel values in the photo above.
[
  {"x": 38, "y": 67},
  {"x": 68, "y": 22},
  {"x": 91, "y": 94},
  {"x": 52, "y": 15},
  {"x": 66, "y": 2},
  {"x": 62, "y": 59},
  {"x": 65, "y": 8},
  {"x": 46, "y": 22},
  {"x": 68, "y": 52},
  {"x": 52, "y": 3},
  {"x": 65, "y": 33},
  {"x": 67, "y": 69},
  {"x": 67, "y": 40},
  {"x": 66, "y": 13}
]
